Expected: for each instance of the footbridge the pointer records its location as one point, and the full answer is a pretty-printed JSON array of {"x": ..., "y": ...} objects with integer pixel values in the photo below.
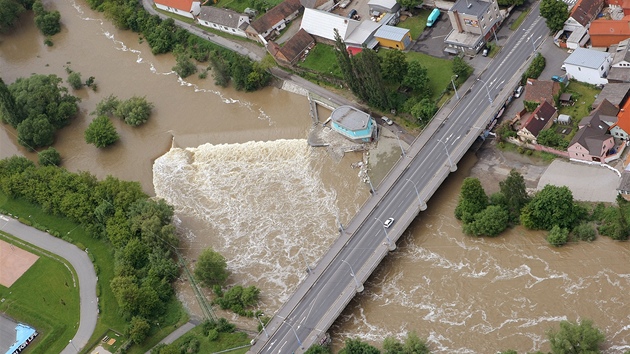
[{"x": 317, "y": 302}]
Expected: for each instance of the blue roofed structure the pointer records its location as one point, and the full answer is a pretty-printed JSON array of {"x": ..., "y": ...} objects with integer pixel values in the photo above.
[
  {"x": 353, "y": 124},
  {"x": 23, "y": 336}
]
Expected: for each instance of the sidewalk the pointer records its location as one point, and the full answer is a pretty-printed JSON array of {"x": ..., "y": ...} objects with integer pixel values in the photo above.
[{"x": 176, "y": 334}]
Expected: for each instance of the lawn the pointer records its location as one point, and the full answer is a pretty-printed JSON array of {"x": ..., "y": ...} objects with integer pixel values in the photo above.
[
  {"x": 224, "y": 342},
  {"x": 322, "y": 59},
  {"x": 440, "y": 71},
  {"x": 517, "y": 23},
  {"x": 241, "y": 5},
  {"x": 102, "y": 254},
  {"x": 416, "y": 24},
  {"x": 45, "y": 298},
  {"x": 583, "y": 96}
]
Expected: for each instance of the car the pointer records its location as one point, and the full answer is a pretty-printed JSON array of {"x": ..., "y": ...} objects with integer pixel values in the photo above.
[
  {"x": 352, "y": 13},
  {"x": 485, "y": 52},
  {"x": 388, "y": 223},
  {"x": 563, "y": 68},
  {"x": 387, "y": 121},
  {"x": 518, "y": 92},
  {"x": 557, "y": 78}
]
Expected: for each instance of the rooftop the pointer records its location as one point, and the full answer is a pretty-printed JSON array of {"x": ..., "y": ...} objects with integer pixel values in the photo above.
[
  {"x": 350, "y": 118},
  {"x": 185, "y": 5},
  {"x": 384, "y": 3},
  {"x": 540, "y": 90},
  {"x": 322, "y": 24},
  {"x": 391, "y": 33},
  {"x": 474, "y": 8},
  {"x": 586, "y": 10},
  {"x": 222, "y": 17},
  {"x": 275, "y": 15},
  {"x": 613, "y": 92},
  {"x": 587, "y": 58},
  {"x": 539, "y": 118}
]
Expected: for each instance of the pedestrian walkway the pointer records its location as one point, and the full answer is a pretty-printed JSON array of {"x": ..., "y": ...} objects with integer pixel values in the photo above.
[{"x": 176, "y": 334}]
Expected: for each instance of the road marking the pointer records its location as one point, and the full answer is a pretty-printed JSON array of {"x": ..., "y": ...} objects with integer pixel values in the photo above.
[{"x": 4, "y": 218}]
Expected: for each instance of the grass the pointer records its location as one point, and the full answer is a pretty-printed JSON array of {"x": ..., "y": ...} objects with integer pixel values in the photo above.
[
  {"x": 102, "y": 254},
  {"x": 416, "y": 24},
  {"x": 542, "y": 155},
  {"x": 45, "y": 298},
  {"x": 225, "y": 341},
  {"x": 440, "y": 71},
  {"x": 322, "y": 59},
  {"x": 516, "y": 24},
  {"x": 174, "y": 16},
  {"x": 583, "y": 96},
  {"x": 241, "y": 5}
]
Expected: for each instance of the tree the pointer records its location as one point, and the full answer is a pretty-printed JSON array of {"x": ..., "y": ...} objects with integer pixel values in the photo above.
[
  {"x": 345, "y": 63},
  {"x": 514, "y": 193},
  {"x": 558, "y": 236},
  {"x": 461, "y": 68},
  {"x": 134, "y": 111},
  {"x": 101, "y": 132},
  {"x": 415, "y": 345},
  {"x": 138, "y": 329},
  {"x": 107, "y": 106},
  {"x": 489, "y": 222},
  {"x": 318, "y": 349},
  {"x": 8, "y": 111},
  {"x": 535, "y": 68},
  {"x": 551, "y": 206},
  {"x": 584, "y": 232},
  {"x": 508, "y": 3},
  {"x": 356, "y": 346},
  {"x": 48, "y": 22},
  {"x": 576, "y": 338},
  {"x": 74, "y": 80},
  {"x": 184, "y": 67},
  {"x": 555, "y": 13},
  {"x": 472, "y": 200},
  {"x": 394, "y": 66},
  {"x": 211, "y": 268},
  {"x": 417, "y": 78},
  {"x": 220, "y": 69},
  {"x": 49, "y": 157},
  {"x": 9, "y": 13},
  {"x": 36, "y": 132},
  {"x": 424, "y": 110},
  {"x": 410, "y": 4},
  {"x": 549, "y": 137}
]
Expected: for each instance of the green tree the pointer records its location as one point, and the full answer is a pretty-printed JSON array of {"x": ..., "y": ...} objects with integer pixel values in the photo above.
[
  {"x": 555, "y": 13},
  {"x": 220, "y": 69},
  {"x": 134, "y": 111},
  {"x": 417, "y": 78},
  {"x": 461, "y": 68},
  {"x": 36, "y": 132},
  {"x": 489, "y": 222},
  {"x": 101, "y": 132},
  {"x": 394, "y": 66},
  {"x": 49, "y": 157},
  {"x": 345, "y": 63},
  {"x": 514, "y": 193},
  {"x": 48, "y": 22},
  {"x": 549, "y": 137},
  {"x": 356, "y": 346},
  {"x": 9, "y": 13},
  {"x": 535, "y": 68},
  {"x": 8, "y": 111},
  {"x": 410, "y": 4},
  {"x": 211, "y": 268},
  {"x": 392, "y": 345},
  {"x": 472, "y": 200},
  {"x": 424, "y": 110},
  {"x": 184, "y": 66},
  {"x": 74, "y": 80},
  {"x": 367, "y": 65},
  {"x": 415, "y": 345},
  {"x": 138, "y": 329},
  {"x": 558, "y": 236},
  {"x": 509, "y": 351},
  {"x": 551, "y": 206},
  {"x": 107, "y": 106},
  {"x": 508, "y": 3},
  {"x": 576, "y": 338},
  {"x": 318, "y": 349},
  {"x": 584, "y": 232}
]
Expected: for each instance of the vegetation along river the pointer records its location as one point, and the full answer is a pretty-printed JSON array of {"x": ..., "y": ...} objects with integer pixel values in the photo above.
[{"x": 238, "y": 170}]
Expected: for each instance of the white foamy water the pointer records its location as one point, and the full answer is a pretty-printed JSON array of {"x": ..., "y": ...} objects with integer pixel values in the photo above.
[{"x": 260, "y": 204}]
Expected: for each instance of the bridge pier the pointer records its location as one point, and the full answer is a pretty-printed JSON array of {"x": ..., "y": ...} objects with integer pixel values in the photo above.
[
  {"x": 453, "y": 167},
  {"x": 423, "y": 205}
]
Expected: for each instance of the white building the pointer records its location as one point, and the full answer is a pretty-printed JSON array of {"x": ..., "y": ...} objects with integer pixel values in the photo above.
[
  {"x": 590, "y": 66},
  {"x": 187, "y": 8},
  {"x": 223, "y": 20},
  {"x": 321, "y": 24}
]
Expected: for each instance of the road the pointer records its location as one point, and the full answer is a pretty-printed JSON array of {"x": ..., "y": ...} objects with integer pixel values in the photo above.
[
  {"x": 321, "y": 297},
  {"x": 82, "y": 265}
]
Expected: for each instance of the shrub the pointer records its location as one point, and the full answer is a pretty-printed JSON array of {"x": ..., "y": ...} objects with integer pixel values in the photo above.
[
  {"x": 49, "y": 157},
  {"x": 584, "y": 232},
  {"x": 558, "y": 236},
  {"x": 74, "y": 80}
]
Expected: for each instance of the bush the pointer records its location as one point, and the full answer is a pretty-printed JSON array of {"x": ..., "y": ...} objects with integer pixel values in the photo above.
[
  {"x": 535, "y": 68},
  {"x": 101, "y": 132},
  {"x": 558, "y": 236},
  {"x": 213, "y": 335},
  {"x": 74, "y": 80},
  {"x": 134, "y": 111},
  {"x": 49, "y": 157},
  {"x": 584, "y": 232},
  {"x": 185, "y": 67}
]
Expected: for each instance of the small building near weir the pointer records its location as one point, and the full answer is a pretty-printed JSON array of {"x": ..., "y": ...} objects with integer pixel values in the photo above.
[{"x": 354, "y": 124}]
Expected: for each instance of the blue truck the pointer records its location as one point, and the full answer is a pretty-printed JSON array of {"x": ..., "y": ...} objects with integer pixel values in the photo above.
[{"x": 433, "y": 17}]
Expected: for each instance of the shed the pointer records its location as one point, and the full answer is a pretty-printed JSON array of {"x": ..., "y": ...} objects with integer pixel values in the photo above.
[
  {"x": 388, "y": 6},
  {"x": 564, "y": 119},
  {"x": 393, "y": 37},
  {"x": 566, "y": 99}
]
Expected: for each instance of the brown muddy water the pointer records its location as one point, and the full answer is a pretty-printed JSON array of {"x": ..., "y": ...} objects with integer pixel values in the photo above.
[{"x": 243, "y": 181}]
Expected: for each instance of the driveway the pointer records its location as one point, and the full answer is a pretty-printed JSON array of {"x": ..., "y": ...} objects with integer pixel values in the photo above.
[{"x": 82, "y": 265}]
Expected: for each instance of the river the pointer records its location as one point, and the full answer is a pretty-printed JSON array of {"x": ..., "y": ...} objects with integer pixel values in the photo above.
[{"x": 237, "y": 168}]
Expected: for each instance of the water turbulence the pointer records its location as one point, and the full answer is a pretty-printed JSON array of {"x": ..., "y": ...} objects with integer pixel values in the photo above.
[{"x": 260, "y": 204}]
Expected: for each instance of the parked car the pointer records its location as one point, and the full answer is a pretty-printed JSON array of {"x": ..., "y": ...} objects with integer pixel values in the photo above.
[
  {"x": 563, "y": 68},
  {"x": 388, "y": 222},
  {"x": 518, "y": 92},
  {"x": 352, "y": 13},
  {"x": 485, "y": 51},
  {"x": 557, "y": 78},
  {"x": 387, "y": 120}
]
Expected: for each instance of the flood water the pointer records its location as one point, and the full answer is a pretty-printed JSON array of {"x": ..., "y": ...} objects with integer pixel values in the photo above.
[{"x": 238, "y": 170}]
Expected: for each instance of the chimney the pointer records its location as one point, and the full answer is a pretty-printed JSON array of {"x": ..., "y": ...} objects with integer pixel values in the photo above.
[{"x": 459, "y": 25}]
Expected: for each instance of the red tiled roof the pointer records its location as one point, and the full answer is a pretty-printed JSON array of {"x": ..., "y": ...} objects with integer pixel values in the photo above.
[
  {"x": 539, "y": 118},
  {"x": 275, "y": 15},
  {"x": 623, "y": 118},
  {"x": 610, "y": 27},
  {"x": 185, "y": 5},
  {"x": 540, "y": 90},
  {"x": 586, "y": 10}
]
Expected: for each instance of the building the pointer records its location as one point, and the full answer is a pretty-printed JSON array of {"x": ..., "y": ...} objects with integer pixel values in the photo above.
[
  {"x": 588, "y": 65},
  {"x": 353, "y": 124},
  {"x": 474, "y": 22},
  {"x": 393, "y": 37},
  {"x": 624, "y": 185},
  {"x": 322, "y": 25},
  {"x": 615, "y": 93},
  {"x": 363, "y": 35},
  {"x": 605, "y": 33},
  {"x": 623, "y": 121},
  {"x": 620, "y": 68},
  {"x": 541, "y": 90},
  {"x": 592, "y": 141},
  {"x": 294, "y": 49},
  {"x": 274, "y": 20},
  {"x": 541, "y": 118},
  {"x": 186, "y": 8},
  {"x": 575, "y": 33},
  {"x": 224, "y": 20},
  {"x": 380, "y": 6}
]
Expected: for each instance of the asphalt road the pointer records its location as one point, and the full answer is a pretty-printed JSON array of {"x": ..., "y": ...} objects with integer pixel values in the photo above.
[
  {"x": 323, "y": 295},
  {"x": 82, "y": 265}
]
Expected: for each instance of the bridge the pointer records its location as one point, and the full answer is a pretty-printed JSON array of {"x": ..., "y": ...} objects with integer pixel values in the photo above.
[{"x": 317, "y": 302}]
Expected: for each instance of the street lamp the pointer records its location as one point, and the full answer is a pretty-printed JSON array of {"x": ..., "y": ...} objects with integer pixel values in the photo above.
[
  {"x": 305, "y": 262},
  {"x": 455, "y": 87},
  {"x": 263, "y": 325},
  {"x": 356, "y": 282},
  {"x": 370, "y": 182},
  {"x": 389, "y": 242},
  {"x": 294, "y": 332},
  {"x": 399, "y": 143},
  {"x": 534, "y": 41},
  {"x": 75, "y": 348},
  {"x": 487, "y": 91},
  {"x": 453, "y": 167}
]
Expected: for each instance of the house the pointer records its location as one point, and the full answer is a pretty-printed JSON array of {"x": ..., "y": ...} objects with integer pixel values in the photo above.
[
  {"x": 383, "y": 6},
  {"x": 605, "y": 33},
  {"x": 393, "y": 37},
  {"x": 541, "y": 90},
  {"x": 624, "y": 185},
  {"x": 274, "y": 20},
  {"x": 353, "y": 124},
  {"x": 293, "y": 49},
  {"x": 575, "y": 34},
  {"x": 541, "y": 118},
  {"x": 223, "y": 20},
  {"x": 591, "y": 142},
  {"x": 620, "y": 68},
  {"x": 623, "y": 121},
  {"x": 322, "y": 25},
  {"x": 624, "y": 5},
  {"x": 186, "y": 8},
  {"x": 615, "y": 93},
  {"x": 588, "y": 65},
  {"x": 363, "y": 35},
  {"x": 473, "y": 22}
]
